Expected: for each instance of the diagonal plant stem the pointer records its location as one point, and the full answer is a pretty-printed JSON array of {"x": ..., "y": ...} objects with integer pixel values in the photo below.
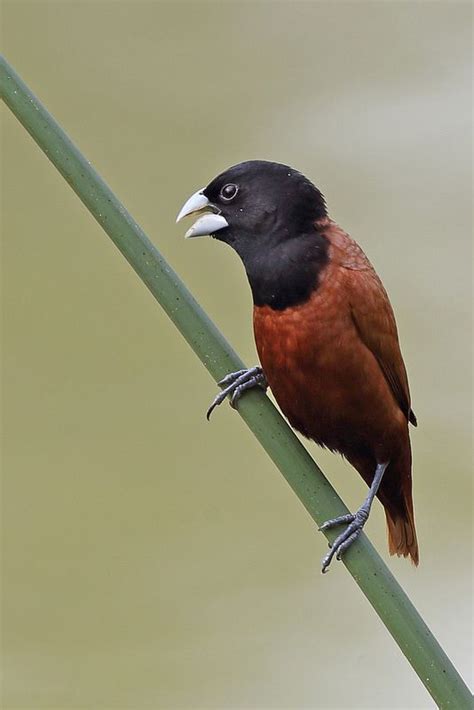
[{"x": 306, "y": 479}]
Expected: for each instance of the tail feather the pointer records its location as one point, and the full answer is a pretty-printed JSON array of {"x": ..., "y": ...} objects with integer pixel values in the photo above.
[{"x": 402, "y": 534}]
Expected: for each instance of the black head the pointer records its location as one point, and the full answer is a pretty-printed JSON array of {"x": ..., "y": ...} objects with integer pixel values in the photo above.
[
  {"x": 268, "y": 213},
  {"x": 264, "y": 203}
]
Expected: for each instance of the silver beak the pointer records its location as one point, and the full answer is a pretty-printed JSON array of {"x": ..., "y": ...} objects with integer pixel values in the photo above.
[{"x": 208, "y": 223}]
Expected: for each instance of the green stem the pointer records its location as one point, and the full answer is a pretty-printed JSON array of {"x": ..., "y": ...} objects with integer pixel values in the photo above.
[{"x": 308, "y": 482}]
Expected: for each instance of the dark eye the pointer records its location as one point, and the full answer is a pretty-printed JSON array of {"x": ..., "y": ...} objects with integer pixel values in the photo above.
[{"x": 229, "y": 191}]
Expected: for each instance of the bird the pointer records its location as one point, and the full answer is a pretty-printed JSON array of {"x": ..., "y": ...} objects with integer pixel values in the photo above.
[{"x": 325, "y": 334}]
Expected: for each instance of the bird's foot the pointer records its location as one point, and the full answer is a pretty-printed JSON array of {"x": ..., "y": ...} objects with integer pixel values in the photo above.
[
  {"x": 236, "y": 383},
  {"x": 355, "y": 523}
]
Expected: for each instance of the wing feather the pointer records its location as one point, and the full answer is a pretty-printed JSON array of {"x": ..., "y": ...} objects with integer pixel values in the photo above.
[{"x": 373, "y": 317}]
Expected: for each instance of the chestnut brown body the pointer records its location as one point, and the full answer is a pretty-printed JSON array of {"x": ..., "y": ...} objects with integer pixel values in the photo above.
[{"x": 335, "y": 368}]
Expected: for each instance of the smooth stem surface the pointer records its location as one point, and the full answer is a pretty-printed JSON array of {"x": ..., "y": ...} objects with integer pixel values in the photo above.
[{"x": 308, "y": 482}]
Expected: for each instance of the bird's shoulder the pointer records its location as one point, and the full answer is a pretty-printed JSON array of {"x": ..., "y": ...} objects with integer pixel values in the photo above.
[
  {"x": 356, "y": 275},
  {"x": 343, "y": 250}
]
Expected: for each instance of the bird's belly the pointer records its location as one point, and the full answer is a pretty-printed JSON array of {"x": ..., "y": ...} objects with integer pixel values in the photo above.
[{"x": 326, "y": 382}]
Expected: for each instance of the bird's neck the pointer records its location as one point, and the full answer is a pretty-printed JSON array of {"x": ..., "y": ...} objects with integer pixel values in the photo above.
[{"x": 287, "y": 272}]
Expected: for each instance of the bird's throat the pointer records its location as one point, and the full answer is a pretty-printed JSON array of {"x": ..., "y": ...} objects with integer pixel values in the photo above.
[{"x": 287, "y": 274}]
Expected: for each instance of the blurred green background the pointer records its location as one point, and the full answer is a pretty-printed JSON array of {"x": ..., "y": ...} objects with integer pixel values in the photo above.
[{"x": 153, "y": 560}]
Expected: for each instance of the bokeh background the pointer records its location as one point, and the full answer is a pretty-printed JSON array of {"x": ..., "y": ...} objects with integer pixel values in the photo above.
[{"x": 153, "y": 560}]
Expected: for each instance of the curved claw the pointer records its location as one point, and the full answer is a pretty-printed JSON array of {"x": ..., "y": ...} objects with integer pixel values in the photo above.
[
  {"x": 346, "y": 538},
  {"x": 218, "y": 399},
  {"x": 235, "y": 384}
]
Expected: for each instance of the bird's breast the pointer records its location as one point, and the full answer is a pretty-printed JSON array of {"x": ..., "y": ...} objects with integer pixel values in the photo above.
[
  {"x": 326, "y": 382},
  {"x": 300, "y": 351}
]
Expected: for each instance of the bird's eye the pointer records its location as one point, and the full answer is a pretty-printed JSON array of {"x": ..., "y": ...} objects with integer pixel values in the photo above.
[{"x": 229, "y": 191}]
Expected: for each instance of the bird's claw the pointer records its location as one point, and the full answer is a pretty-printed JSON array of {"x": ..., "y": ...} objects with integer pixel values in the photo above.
[
  {"x": 235, "y": 384},
  {"x": 355, "y": 523}
]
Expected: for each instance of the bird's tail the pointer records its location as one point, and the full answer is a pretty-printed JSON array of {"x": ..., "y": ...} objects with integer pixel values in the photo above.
[{"x": 401, "y": 529}]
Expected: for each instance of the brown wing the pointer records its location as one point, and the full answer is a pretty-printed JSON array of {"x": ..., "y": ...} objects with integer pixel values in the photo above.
[{"x": 373, "y": 316}]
